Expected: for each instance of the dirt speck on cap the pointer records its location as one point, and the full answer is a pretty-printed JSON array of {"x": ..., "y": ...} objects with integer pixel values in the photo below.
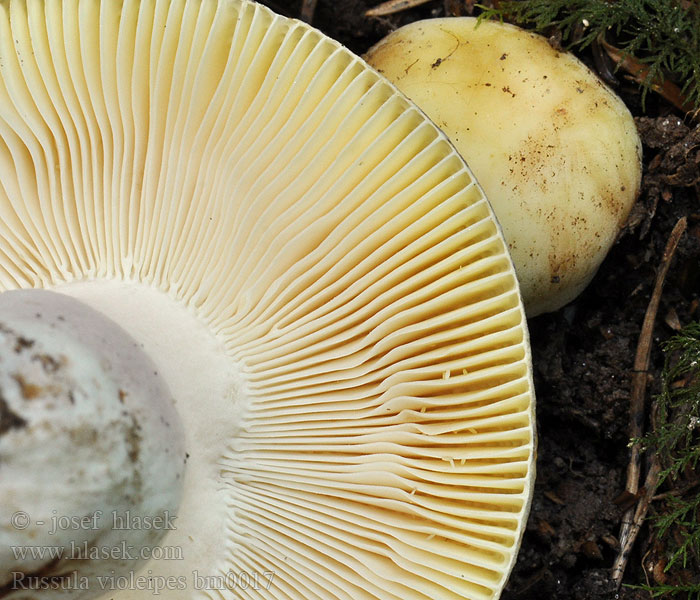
[{"x": 8, "y": 418}]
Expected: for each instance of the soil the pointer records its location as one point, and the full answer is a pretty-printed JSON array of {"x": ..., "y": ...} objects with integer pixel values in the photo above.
[{"x": 584, "y": 353}]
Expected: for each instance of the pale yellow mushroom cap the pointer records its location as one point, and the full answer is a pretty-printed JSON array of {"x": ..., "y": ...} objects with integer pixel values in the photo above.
[
  {"x": 316, "y": 276},
  {"x": 556, "y": 152}
]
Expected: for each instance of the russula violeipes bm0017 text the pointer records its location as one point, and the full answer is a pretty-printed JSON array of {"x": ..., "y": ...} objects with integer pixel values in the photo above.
[
  {"x": 556, "y": 152},
  {"x": 319, "y": 283}
]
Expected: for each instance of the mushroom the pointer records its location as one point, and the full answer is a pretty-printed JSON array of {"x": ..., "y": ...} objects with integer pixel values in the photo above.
[
  {"x": 556, "y": 152},
  {"x": 316, "y": 278}
]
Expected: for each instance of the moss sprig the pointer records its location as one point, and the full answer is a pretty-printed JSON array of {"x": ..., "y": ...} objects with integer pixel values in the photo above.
[
  {"x": 685, "y": 592},
  {"x": 676, "y": 441}
]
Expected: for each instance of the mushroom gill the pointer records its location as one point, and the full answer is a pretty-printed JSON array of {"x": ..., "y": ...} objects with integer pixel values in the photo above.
[{"x": 312, "y": 268}]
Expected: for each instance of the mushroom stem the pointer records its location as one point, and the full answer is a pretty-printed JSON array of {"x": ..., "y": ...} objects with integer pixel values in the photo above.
[{"x": 91, "y": 448}]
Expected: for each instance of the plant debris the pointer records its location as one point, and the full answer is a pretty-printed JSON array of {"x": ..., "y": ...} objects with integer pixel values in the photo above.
[{"x": 633, "y": 517}]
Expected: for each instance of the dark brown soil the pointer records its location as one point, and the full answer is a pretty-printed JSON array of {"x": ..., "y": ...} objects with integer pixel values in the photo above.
[{"x": 584, "y": 353}]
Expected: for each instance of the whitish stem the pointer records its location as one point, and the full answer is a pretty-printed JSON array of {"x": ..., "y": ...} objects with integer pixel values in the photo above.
[{"x": 92, "y": 451}]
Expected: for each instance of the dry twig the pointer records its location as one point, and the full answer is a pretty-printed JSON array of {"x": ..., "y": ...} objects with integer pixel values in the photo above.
[
  {"x": 392, "y": 7},
  {"x": 633, "y": 517},
  {"x": 677, "y": 491},
  {"x": 639, "y": 513},
  {"x": 640, "y": 73}
]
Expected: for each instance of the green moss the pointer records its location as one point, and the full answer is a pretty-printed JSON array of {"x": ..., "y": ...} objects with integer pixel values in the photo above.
[
  {"x": 676, "y": 441},
  {"x": 678, "y": 421},
  {"x": 686, "y": 592},
  {"x": 664, "y": 35}
]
